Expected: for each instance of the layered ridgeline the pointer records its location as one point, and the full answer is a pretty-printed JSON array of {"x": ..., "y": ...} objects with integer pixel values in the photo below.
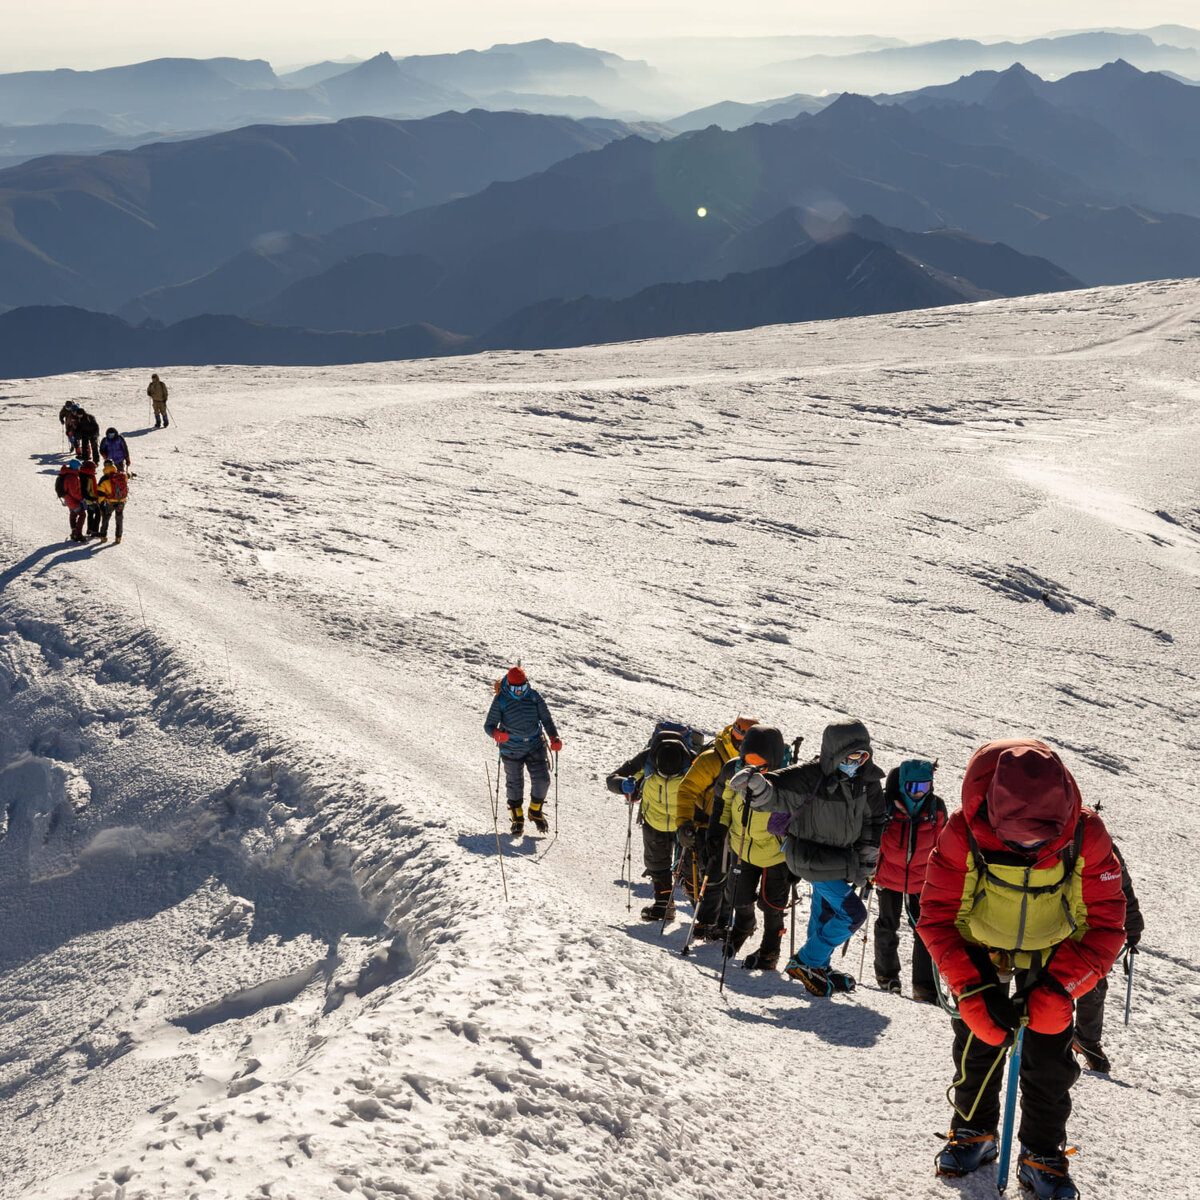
[
  {"x": 94, "y": 230},
  {"x": 256, "y": 940},
  {"x": 611, "y": 223},
  {"x": 843, "y": 269},
  {"x": 179, "y": 94}
]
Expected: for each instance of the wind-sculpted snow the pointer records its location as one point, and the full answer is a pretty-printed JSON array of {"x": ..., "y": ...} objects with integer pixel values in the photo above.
[{"x": 256, "y": 940}]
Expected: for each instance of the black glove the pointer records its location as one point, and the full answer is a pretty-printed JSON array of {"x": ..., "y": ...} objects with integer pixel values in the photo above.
[
  {"x": 686, "y": 833},
  {"x": 868, "y": 859}
]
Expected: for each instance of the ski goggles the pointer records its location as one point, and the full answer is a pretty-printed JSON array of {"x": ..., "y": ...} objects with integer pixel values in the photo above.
[
  {"x": 755, "y": 760},
  {"x": 518, "y": 690},
  {"x": 857, "y": 758},
  {"x": 918, "y": 787}
]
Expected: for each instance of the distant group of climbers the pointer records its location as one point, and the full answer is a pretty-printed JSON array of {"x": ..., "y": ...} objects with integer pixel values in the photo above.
[
  {"x": 91, "y": 500},
  {"x": 1021, "y": 887}
]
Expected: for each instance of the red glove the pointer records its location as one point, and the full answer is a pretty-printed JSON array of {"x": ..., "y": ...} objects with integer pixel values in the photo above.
[
  {"x": 1049, "y": 1011},
  {"x": 974, "y": 1010},
  {"x": 500, "y": 736},
  {"x": 556, "y": 744}
]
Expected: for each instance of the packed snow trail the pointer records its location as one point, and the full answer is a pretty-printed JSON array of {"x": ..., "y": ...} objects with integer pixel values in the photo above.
[{"x": 255, "y": 937}]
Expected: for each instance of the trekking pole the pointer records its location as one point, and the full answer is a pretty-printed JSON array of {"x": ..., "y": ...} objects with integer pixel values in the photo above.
[
  {"x": 627, "y": 861},
  {"x": 496, "y": 824},
  {"x": 495, "y": 797},
  {"x": 792, "y": 936},
  {"x": 687, "y": 943},
  {"x": 862, "y": 958},
  {"x": 676, "y": 875},
  {"x": 1010, "y": 1109},
  {"x": 1129, "y": 980},
  {"x": 556, "y": 793}
]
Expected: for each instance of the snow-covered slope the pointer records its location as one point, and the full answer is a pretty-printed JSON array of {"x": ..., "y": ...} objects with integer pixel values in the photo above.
[{"x": 255, "y": 939}]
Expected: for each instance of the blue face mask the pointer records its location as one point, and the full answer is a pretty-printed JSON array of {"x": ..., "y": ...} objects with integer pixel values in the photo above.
[{"x": 849, "y": 769}]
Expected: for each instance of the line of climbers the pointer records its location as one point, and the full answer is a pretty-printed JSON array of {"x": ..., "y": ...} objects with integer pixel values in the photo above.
[
  {"x": 1021, "y": 887},
  {"x": 92, "y": 501}
]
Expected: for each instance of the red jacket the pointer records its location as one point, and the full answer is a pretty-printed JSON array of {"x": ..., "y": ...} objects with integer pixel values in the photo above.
[
  {"x": 72, "y": 490},
  {"x": 907, "y": 841},
  {"x": 959, "y": 900}
]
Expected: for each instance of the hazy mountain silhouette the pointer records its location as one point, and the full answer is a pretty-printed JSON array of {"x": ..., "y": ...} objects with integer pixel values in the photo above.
[
  {"x": 51, "y": 340},
  {"x": 99, "y": 230},
  {"x": 180, "y": 94},
  {"x": 613, "y": 222},
  {"x": 19, "y": 143},
  {"x": 375, "y": 291},
  {"x": 899, "y": 68},
  {"x": 382, "y": 86},
  {"x": 849, "y": 276},
  {"x": 731, "y": 114}
]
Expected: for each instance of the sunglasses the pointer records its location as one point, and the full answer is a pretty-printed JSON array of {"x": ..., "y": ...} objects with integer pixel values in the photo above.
[
  {"x": 919, "y": 787},
  {"x": 857, "y": 758},
  {"x": 754, "y": 760}
]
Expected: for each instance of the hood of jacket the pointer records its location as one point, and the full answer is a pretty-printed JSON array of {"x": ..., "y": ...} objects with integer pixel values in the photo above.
[
  {"x": 840, "y": 739},
  {"x": 1019, "y": 790}
]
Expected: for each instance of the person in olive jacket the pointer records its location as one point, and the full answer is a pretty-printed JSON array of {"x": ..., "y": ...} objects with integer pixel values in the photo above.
[
  {"x": 758, "y": 872},
  {"x": 653, "y": 780},
  {"x": 831, "y": 814}
]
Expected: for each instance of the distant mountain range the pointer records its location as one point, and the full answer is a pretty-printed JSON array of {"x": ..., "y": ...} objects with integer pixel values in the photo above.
[
  {"x": 180, "y": 94},
  {"x": 847, "y": 276},
  {"x": 512, "y": 229},
  {"x": 612, "y": 222},
  {"x": 97, "y": 230},
  {"x": 844, "y": 275},
  {"x": 897, "y": 68}
]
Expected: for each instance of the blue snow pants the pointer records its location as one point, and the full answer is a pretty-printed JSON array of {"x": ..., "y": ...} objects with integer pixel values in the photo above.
[
  {"x": 836, "y": 913},
  {"x": 514, "y": 775}
]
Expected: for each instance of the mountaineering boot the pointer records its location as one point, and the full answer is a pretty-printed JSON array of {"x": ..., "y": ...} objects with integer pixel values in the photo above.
[
  {"x": 766, "y": 957},
  {"x": 663, "y": 909},
  {"x": 1092, "y": 1054},
  {"x": 1045, "y": 1175},
  {"x": 735, "y": 941},
  {"x": 840, "y": 981},
  {"x": 888, "y": 984},
  {"x": 117, "y": 540},
  {"x": 923, "y": 994},
  {"x": 815, "y": 979},
  {"x": 966, "y": 1151},
  {"x": 538, "y": 817},
  {"x": 705, "y": 933},
  {"x": 518, "y": 822}
]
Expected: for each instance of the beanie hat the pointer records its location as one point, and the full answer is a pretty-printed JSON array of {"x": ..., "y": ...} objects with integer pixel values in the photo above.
[
  {"x": 516, "y": 677},
  {"x": 766, "y": 742},
  {"x": 74, "y": 464}
]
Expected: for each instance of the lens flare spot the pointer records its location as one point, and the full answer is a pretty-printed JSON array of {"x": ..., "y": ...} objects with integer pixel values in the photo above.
[{"x": 702, "y": 212}]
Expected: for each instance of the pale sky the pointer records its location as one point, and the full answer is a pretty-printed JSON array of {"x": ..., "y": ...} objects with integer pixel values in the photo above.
[{"x": 92, "y": 33}]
